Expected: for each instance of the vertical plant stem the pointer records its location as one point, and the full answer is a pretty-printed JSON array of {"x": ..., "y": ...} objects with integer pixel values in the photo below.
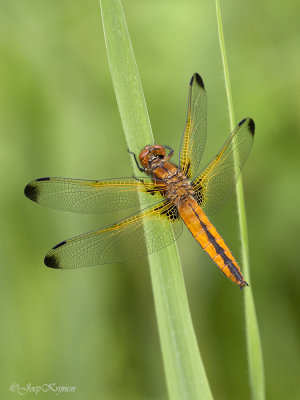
[
  {"x": 254, "y": 351},
  {"x": 185, "y": 374}
]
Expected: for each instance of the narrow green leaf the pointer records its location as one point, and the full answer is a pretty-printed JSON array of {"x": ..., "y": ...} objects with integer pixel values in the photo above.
[
  {"x": 184, "y": 370},
  {"x": 255, "y": 358}
]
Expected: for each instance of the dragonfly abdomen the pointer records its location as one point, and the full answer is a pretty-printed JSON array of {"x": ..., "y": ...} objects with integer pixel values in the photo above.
[{"x": 209, "y": 239}]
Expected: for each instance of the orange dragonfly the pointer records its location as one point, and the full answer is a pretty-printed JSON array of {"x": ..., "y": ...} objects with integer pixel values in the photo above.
[{"x": 172, "y": 194}]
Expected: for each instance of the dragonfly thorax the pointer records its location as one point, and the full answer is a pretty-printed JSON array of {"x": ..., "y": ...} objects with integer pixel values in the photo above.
[{"x": 178, "y": 187}]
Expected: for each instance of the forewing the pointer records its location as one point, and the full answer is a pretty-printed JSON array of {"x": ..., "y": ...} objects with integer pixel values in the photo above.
[
  {"x": 216, "y": 182},
  {"x": 194, "y": 136},
  {"x": 91, "y": 197},
  {"x": 127, "y": 239}
]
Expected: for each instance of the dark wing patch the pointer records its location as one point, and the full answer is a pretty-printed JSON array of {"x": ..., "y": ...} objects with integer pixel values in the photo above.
[
  {"x": 171, "y": 213},
  {"x": 31, "y": 191},
  {"x": 199, "y": 195},
  {"x": 199, "y": 80},
  {"x": 51, "y": 261}
]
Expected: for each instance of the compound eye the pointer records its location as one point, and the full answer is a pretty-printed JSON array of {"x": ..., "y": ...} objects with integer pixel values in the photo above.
[
  {"x": 159, "y": 152},
  {"x": 144, "y": 156}
]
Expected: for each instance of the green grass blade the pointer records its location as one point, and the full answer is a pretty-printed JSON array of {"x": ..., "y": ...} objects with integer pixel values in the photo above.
[
  {"x": 185, "y": 374},
  {"x": 254, "y": 351}
]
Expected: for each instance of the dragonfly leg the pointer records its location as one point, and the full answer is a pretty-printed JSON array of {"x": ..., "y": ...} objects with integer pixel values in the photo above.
[
  {"x": 136, "y": 161},
  {"x": 170, "y": 152},
  {"x": 138, "y": 179}
]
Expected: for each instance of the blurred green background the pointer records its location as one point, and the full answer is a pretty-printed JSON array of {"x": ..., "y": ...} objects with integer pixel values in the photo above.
[{"x": 95, "y": 328}]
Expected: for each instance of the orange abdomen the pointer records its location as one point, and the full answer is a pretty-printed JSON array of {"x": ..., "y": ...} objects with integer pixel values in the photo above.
[{"x": 206, "y": 234}]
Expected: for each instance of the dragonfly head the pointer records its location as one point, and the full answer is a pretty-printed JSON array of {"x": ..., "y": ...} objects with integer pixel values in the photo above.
[{"x": 152, "y": 153}]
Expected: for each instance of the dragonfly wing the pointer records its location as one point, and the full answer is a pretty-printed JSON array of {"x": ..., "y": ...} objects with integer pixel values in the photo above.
[
  {"x": 91, "y": 197},
  {"x": 194, "y": 136},
  {"x": 127, "y": 239},
  {"x": 216, "y": 182}
]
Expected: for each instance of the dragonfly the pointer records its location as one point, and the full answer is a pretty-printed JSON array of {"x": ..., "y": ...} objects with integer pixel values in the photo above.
[{"x": 170, "y": 196}]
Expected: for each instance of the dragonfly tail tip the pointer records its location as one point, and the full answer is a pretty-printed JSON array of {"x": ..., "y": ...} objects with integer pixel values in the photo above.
[{"x": 243, "y": 284}]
